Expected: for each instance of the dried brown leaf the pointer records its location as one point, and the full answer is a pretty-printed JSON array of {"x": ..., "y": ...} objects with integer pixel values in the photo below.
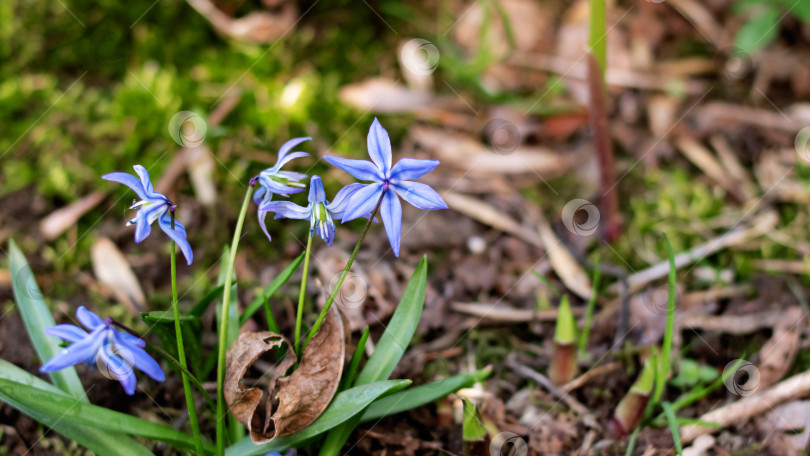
[
  {"x": 289, "y": 404},
  {"x": 112, "y": 270}
]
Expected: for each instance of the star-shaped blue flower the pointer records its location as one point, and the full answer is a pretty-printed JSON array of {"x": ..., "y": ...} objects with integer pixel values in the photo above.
[
  {"x": 387, "y": 183},
  {"x": 152, "y": 206},
  {"x": 120, "y": 351},
  {"x": 319, "y": 211},
  {"x": 274, "y": 181}
]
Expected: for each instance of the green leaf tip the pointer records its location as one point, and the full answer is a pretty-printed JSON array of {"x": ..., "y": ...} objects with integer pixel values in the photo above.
[
  {"x": 565, "y": 332},
  {"x": 472, "y": 426}
]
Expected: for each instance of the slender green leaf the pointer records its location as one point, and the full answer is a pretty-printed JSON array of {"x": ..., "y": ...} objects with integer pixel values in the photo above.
[
  {"x": 96, "y": 440},
  {"x": 400, "y": 330},
  {"x": 344, "y": 406},
  {"x": 631, "y": 444},
  {"x": 52, "y": 407},
  {"x": 270, "y": 290},
  {"x": 665, "y": 360},
  {"x": 351, "y": 372},
  {"x": 673, "y": 426},
  {"x": 420, "y": 395},
  {"x": 199, "y": 309},
  {"x": 37, "y": 318},
  {"x": 586, "y": 327}
]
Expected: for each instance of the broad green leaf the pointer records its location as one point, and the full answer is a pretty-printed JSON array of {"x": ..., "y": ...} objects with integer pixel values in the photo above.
[
  {"x": 344, "y": 406},
  {"x": 400, "y": 330},
  {"x": 420, "y": 395},
  {"x": 37, "y": 318},
  {"x": 759, "y": 31},
  {"x": 96, "y": 440},
  {"x": 270, "y": 290},
  {"x": 389, "y": 351},
  {"x": 51, "y": 408}
]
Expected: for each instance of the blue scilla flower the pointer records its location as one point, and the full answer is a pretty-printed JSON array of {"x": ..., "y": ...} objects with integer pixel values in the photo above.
[
  {"x": 152, "y": 206},
  {"x": 319, "y": 211},
  {"x": 274, "y": 181},
  {"x": 387, "y": 183},
  {"x": 118, "y": 350}
]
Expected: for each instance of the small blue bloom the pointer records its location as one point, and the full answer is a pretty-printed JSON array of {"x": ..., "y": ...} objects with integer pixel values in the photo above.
[
  {"x": 387, "y": 183},
  {"x": 152, "y": 206},
  {"x": 319, "y": 211},
  {"x": 274, "y": 181},
  {"x": 120, "y": 351}
]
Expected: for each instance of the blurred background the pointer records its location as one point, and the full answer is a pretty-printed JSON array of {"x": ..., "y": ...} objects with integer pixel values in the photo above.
[{"x": 707, "y": 114}]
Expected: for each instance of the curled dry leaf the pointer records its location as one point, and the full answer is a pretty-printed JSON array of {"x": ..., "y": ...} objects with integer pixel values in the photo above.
[{"x": 289, "y": 404}]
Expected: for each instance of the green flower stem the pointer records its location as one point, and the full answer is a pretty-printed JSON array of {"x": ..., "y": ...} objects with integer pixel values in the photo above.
[
  {"x": 300, "y": 312},
  {"x": 343, "y": 275},
  {"x": 181, "y": 353},
  {"x": 223, "y": 325}
]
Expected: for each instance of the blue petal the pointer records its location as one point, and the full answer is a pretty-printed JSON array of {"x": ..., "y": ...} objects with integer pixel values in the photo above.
[
  {"x": 316, "y": 192},
  {"x": 263, "y": 223},
  {"x": 287, "y": 146},
  {"x": 363, "y": 202},
  {"x": 119, "y": 367},
  {"x": 88, "y": 319},
  {"x": 178, "y": 235},
  {"x": 361, "y": 169},
  {"x": 70, "y": 333},
  {"x": 338, "y": 206},
  {"x": 140, "y": 358},
  {"x": 144, "y": 219},
  {"x": 145, "y": 181},
  {"x": 292, "y": 175},
  {"x": 273, "y": 186},
  {"x": 285, "y": 160},
  {"x": 412, "y": 168},
  {"x": 129, "y": 339},
  {"x": 379, "y": 146},
  {"x": 79, "y": 352},
  {"x": 391, "y": 211},
  {"x": 420, "y": 195},
  {"x": 130, "y": 181},
  {"x": 259, "y": 194},
  {"x": 286, "y": 209}
]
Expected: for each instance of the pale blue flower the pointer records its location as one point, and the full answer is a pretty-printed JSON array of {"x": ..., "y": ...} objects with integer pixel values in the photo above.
[
  {"x": 387, "y": 183},
  {"x": 118, "y": 350},
  {"x": 274, "y": 181},
  {"x": 152, "y": 206},
  {"x": 319, "y": 211}
]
